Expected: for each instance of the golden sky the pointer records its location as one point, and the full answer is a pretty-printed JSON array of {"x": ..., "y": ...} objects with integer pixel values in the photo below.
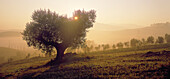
[{"x": 14, "y": 14}]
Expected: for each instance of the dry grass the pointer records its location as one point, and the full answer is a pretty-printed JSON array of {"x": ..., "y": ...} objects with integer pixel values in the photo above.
[{"x": 93, "y": 65}]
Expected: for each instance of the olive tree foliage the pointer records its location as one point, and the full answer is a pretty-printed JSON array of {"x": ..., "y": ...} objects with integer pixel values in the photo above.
[
  {"x": 105, "y": 46},
  {"x": 119, "y": 45},
  {"x": 126, "y": 44},
  {"x": 135, "y": 42},
  {"x": 97, "y": 48},
  {"x": 144, "y": 42},
  {"x": 113, "y": 46},
  {"x": 167, "y": 38},
  {"x": 150, "y": 40},
  {"x": 49, "y": 30},
  {"x": 160, "y": 40}
]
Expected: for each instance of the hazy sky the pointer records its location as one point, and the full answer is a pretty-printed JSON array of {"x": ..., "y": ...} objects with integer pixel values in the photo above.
[{"x": 14, "y": 14}]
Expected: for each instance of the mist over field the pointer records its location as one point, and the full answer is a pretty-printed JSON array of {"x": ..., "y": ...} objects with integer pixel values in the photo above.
[
  {"x": 122, "y": 35},
  {"x": 13, "y": 38}
]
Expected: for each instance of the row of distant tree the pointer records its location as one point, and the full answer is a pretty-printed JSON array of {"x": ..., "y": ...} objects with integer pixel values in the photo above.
[{"x": 132, "y": 43}]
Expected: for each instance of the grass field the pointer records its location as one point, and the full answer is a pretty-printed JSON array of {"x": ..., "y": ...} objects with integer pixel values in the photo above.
[
  {"x": 7, "y": 53},
  {"x": 131, "y": 64}
]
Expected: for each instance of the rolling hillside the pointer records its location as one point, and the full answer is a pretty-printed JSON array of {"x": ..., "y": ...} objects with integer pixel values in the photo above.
[
  {"x": 102, "y": 33},
  {"x": 100, "y": 65},
  {"x": 6, "y": 53},
  {"x": 159, "y": 29},
  {"x": 10, "y": 34}
]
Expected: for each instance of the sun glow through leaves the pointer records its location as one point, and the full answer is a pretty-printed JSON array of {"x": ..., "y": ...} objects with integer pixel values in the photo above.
[{"x": 75, "y": 17}]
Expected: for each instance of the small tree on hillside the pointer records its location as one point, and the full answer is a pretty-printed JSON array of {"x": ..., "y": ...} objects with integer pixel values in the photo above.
[
  {"x": 113, "y": 46},
  {"x": 48, "y": 30},
  {"x": 119, "y": 45},
  {"x": 126, "y": 44},
  {"x": 150, "y": 40},
  {"x": 103, "y": 47},
  {"x": 86, "y": 49},
  {"x": 160, "y": 40},
  {"x": 139, "y": 43},
  {"x": 167, "y": 38},
  {"x": 10, "y": 60},
  {"x": 97, "y": 48},
  {"x": 91, "y": 48},
  {"x": 107, "y": 46},
  {"x": 143, "y": 42},
  {"x": 28, "y": 56},
  {"x": 134, "y": 42}
]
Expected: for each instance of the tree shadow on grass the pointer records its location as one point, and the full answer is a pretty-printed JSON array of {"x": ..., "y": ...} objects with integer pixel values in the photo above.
[{"x": 56, "y": 69}]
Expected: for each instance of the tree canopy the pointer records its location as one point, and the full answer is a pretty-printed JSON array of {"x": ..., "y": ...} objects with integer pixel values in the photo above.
[
  {"x": 150, "y": 40},
  {"x": 120, "y": 45},
  {"x": 167, "y": 38},
  {"x": 134, "y": 42},
  {"x": 49, "y": 30},
  {"x": 160, "y": 39}
]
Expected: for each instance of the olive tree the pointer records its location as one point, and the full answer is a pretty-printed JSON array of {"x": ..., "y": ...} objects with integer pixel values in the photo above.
[
  {"x": 160, "y": 40},
  {"x": 150, "y": 40},
  {"x": 48, "y": 31},
  {"x": 119, "y": 45}
]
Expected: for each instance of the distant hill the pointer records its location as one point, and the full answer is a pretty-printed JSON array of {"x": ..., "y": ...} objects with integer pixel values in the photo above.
[
  {"x": 10, "y": 34},
  {"x": 108, "y": 27},
  {"x": 158, "y": 29},
  {"x": 103, "y": 33},
  {"x": 6, "y": 53}
]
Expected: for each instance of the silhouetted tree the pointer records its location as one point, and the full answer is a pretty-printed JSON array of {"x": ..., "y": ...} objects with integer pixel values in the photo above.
[
  {"x": 28, "y": 55},
  {"x": 113, "y": 46},
  {"x": 139, "y": 43},
  {"x": 126, "y": 44},
  {"x": 143, "y": 42},
  {"x": 85, "y": 47},
  {"x": 105, "y": 47},
  {"x": 167, "y": 38},
  {"x": 150, "y": 40},
  {"x": 91, "y": 48},
  {"x": 10, "y": 60},
  {"x": 160, "y": 40},
  {"x": 48, "y": 30},
  {"x": 97, "y": 48},
  {"x": 120, "y": 45},
  {"x": 134, "y": 42}
]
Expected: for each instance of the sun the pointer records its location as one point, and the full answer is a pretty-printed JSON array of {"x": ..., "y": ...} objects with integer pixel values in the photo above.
[{"x": 75, "y": 17}]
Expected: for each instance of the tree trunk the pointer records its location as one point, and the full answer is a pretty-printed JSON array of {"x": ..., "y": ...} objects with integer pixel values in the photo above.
[{"x": 60, "y": 53}]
